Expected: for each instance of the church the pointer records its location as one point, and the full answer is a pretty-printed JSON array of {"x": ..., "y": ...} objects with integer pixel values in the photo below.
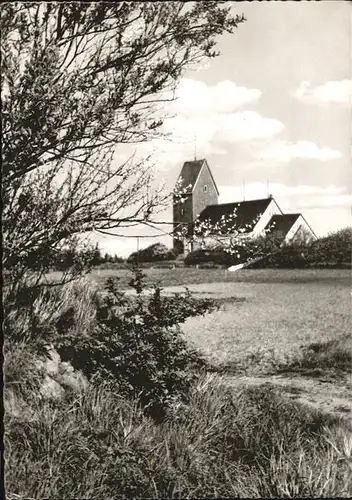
[{"x": 200, "y": 197}]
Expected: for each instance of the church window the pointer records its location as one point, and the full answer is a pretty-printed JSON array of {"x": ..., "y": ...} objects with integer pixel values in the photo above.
[{"x": 205, "y": 189}]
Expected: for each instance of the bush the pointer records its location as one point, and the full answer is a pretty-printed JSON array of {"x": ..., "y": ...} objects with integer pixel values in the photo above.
[
  {"x": 333, "y": 250},
  {"x": 336, "y": 248},
  {"x": 134, "y": 341},
  {"x": 137, "y": 344},
  {"x": 154, "y": 253},
  {"x": 291, "y": 256}
]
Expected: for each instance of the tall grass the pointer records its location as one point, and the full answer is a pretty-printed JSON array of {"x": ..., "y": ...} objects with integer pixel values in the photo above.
[
  {"x": 247, "y": 443},
  {"x": 36, "y": 316}
]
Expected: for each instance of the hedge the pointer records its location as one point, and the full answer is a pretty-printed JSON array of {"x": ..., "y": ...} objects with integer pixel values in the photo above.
[
  {"x": 334, "y": 250},
  {"x": 154, "y": 253}
]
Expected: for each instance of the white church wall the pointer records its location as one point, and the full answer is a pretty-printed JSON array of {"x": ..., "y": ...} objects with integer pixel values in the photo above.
[
  {"x": 302, "y": 226},
  {"x": 271, "y": 210}
]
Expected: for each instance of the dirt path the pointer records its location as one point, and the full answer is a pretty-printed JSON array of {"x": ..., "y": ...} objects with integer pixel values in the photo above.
[{"x": 326, "y": 396}]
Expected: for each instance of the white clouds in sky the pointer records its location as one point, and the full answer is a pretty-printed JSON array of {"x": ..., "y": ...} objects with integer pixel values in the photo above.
[
  {"x": 332, "y": 92},
  {"x": 246, "y": 126},
  {"x": 328, "y": 195},
  {"x": 197, "y": 98},
  {"x": 229, "y": 127},
  {"x": 210, "y": 119},
  {"x": 283, "y": 151},
  {"x": 210, "y": 112},
  {"x": 206, "y": 117}
]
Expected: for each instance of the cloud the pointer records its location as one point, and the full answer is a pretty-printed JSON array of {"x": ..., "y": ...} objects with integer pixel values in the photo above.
[
  {"x": 327, "y": 195},
  {"x": 341, "y": 201},
  {"x": 219, "y": 129},
  {"x": 333, "y": 92},
  {"x": 246, "y": 126},
  {"x": 215, "y": 135},
  {"x": 208, "y": 119},
  {"x": 284, "y": 151},
  {"x": 198, "y": 98}
]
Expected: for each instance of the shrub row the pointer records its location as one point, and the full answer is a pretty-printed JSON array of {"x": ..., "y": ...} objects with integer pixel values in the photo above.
[
  {"x": 334, "y": 250},
  {"x": 213, "y": 257},
  {"x": 154, "y": 253}
]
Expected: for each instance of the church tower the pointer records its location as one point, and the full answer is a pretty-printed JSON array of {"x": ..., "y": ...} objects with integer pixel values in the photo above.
[{"x": 198, "y": 185}]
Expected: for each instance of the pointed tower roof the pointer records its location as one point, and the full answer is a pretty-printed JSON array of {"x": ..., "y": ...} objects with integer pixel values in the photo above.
[{"x": 190, "y": 173}]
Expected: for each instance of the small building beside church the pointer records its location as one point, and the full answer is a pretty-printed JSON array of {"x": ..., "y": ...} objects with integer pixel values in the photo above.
[{"x": 253, "y": 218}]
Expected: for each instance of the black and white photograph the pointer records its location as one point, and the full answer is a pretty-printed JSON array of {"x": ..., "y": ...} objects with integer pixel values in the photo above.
[{"x": 176, "y": 249}]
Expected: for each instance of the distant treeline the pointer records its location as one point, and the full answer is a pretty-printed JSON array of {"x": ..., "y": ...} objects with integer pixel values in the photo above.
[
  {"x": 65, "y": 259},
  {"x": 334, "y": 250}
]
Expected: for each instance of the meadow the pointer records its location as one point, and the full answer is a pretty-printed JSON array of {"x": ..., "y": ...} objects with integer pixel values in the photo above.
[
  {"x": 267, "y": 315},
  {"x": 271, "y": 316},
  {"x": 287, "y": 328},
  {"x": 185, "y": 276}
]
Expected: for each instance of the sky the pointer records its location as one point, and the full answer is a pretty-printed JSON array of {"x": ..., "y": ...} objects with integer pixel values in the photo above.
[{"x": 271, "y": 114}]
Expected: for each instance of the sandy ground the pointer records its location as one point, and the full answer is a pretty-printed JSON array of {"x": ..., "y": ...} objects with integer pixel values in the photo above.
[{"x": 327, "y": 396}]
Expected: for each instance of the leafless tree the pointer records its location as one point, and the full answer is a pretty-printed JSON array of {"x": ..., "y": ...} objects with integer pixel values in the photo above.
[{"x": 78, "y": 80}]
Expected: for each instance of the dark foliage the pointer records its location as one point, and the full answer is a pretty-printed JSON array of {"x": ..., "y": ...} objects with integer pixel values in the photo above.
[
  {"x": 154, "y": 253},
  {"x": 216, "y": 257},
  {"x": 334, "y": 250},
  {"x": 138, "y": 345}
]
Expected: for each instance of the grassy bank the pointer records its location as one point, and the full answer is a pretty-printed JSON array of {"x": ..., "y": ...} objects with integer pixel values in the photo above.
[
  {"x": 90, "y": 441},
  {"x": 332, "y": 358},
  {"x": 247, "y": 443}
]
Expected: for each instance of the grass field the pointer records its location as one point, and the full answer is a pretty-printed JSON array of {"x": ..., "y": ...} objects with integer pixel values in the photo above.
[
  {"x": 193, "y": 276},
  {"x": 290, "y": 328},
  {"x": 274, "y": 320},
  {"x": 279, "y": 311}
]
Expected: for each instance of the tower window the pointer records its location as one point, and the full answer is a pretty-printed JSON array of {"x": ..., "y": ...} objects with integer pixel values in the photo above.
[
  {"x": 205, "y": 189},
  {"x": 182, "y": 211}
]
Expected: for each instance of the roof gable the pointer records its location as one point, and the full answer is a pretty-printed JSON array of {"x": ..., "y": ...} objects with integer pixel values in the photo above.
[
  {"x": 282, "y": 223},
  {"x": 247, "y": 213},
  {"x": 315, "y": 236},
  {"x": 190, "y": 173}
]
